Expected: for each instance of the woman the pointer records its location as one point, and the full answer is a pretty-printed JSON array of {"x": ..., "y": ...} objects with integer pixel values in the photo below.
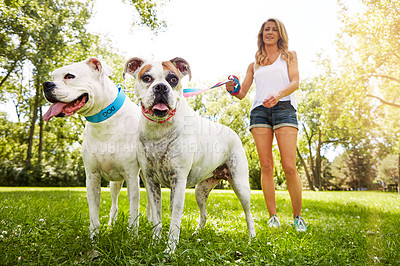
[{"x": 273, "y": 113}]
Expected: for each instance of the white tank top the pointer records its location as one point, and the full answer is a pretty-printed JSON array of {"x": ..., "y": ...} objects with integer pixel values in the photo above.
[{"x": 270, "y": 79}]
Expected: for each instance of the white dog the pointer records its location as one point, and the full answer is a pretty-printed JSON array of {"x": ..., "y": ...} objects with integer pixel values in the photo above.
[
  {"x": 179, "y": 149},
  {"x": 110, "y": 136}
]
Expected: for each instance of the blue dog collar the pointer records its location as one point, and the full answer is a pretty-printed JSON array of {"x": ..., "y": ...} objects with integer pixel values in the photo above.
[{"x": 109, "y": 110}]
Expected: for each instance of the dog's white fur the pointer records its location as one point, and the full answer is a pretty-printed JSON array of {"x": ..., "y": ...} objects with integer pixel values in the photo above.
[
  {"x": 184, "y": 151},
  {"x": 109, "y": 147}
]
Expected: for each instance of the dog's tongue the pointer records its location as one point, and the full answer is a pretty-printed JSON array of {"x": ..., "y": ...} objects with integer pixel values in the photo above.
[
  {"x": 161, "y": 107},
  {"x": 66, "y": 108},
  {"x": 54, "y": 110}
]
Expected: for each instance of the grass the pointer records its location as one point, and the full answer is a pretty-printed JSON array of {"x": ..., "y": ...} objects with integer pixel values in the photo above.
[{"x": 50, "y": 226}]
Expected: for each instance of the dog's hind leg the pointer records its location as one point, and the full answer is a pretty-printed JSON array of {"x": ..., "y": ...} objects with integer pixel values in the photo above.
[
  {"x": 239, "y": 180},
  {"x": 202, "y": 191},
  {"x": 115, "y": 188}
]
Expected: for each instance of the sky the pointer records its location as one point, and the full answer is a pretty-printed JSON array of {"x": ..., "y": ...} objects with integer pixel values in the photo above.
[{"x": 219, "y": 37}]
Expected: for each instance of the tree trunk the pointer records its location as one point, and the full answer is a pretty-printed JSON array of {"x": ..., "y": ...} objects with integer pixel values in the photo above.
[
  {"x": 28, "y": 161},
  {"x": 318, "y": 161},
  {"x": 11, "y": 70},
  {"x": 398, "y": 180},
  {"x": 40, "y": 149},
  {"x": 313, "y": 168},
  {"x": 309, "y": 142},
  {"x": 310, "y": 183}
]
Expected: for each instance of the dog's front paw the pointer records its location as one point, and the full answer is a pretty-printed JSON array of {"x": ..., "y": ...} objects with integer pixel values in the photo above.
[
  {"x": 94, "y": 237},
  {"x": 133, "y": 224},
  {"x": 252, "y": 236},
  {"x": 157, "y": 232},
  {"x": 132, "y": 229},
  {"x": 170, "y": 249}
]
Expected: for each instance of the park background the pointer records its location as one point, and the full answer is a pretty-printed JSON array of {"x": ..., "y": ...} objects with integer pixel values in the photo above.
[
  {"x": 348, "y": 99},
  {"x": 348, "y": 140}
]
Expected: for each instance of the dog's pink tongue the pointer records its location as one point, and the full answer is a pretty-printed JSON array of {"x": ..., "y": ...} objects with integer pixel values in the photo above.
[
  {"x": 161, "y": 107},
  {"x": 54, "y": 110}
]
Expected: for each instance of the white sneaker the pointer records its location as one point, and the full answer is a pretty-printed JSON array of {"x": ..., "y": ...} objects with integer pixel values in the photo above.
[
  {"x": 273, "y": 222},
  {"x": 299, "y": 224}
]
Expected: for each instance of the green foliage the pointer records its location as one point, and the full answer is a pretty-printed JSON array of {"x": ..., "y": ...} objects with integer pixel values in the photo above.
[
  {"x": 39, "y": 36},
  {"x": 353, "y": 170},
  {"x": 50, "y": 226},
  {"x": 388, "y": 169},
  {"x": 335, "y": 109},
  {"x": 62, "y": 164},
  {"x": 147, "y": 11},
  {"x": 36, "y": 38},
  {"x": 45, "y": 33},
  {"x": 374, "y": 59},
  {"x": 42, "y": 36}
]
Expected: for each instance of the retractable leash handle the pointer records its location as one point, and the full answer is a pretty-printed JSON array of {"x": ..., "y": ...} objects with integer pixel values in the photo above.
[{"x": 237, "y": 87}]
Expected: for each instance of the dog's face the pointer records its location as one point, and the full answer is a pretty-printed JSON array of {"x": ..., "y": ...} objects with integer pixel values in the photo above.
[
  {"x": 158, "y": 84},
  {"x": 75, "y": 88}
]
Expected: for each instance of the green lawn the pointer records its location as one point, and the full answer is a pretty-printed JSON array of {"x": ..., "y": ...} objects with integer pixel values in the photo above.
[{"x": 50, "y": 226}]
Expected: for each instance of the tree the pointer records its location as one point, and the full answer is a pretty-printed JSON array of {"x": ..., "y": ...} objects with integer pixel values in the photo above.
[
  {"x": 374, "y": 33},
  {"x": 341, "y": 116},
  {"x": 388, "y": 169},
  {"x": 147, "y": 11},
  {"x": 37, "y": 37},
  {"x": 366, "y": 62},
  {"x": 317, "y": 128}
]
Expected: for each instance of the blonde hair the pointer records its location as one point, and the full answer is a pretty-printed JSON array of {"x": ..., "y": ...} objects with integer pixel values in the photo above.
[{"x": 283, "y": 45}]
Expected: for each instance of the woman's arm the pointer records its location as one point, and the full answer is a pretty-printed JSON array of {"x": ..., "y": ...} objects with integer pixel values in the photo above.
[
  {"x": 293, "y": 70},
  {"x": 248, "y": 80}
]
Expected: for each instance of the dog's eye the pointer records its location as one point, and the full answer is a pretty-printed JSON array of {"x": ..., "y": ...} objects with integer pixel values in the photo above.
[
  {"x": 173, "y": 80},
  {"x": 69, "y": 76},
  {"x": 147, "y": 79}
]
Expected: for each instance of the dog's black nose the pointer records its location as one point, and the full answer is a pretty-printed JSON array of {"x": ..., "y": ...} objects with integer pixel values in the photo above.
[
  {"x": 161, "y": 88},
  {"x": 48, "y": 85}
]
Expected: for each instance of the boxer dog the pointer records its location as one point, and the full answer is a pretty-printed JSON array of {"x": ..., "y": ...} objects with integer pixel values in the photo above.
[
  {"x": 110, "y": 136},
  {"x": 178, "y": 149}
]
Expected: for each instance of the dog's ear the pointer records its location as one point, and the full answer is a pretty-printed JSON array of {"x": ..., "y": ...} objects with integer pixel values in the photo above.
[
  {"x": 132, "y": 65},
  {"x": 183, "y": 66},
  {"x": 97, "y": 65},
  {"x": 107, "y": 70}
]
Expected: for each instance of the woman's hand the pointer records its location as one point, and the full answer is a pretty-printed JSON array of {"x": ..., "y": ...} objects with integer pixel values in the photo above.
[
  {"x": 272, "y": 100},
  {"x": 230, "y": 86}
]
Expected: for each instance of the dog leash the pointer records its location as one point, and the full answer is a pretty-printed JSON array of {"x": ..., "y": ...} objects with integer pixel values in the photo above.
[{"x": 191, "y": 92}]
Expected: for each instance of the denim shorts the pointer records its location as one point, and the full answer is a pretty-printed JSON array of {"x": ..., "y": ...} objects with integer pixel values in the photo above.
[{"x": 282, "y": 114}]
